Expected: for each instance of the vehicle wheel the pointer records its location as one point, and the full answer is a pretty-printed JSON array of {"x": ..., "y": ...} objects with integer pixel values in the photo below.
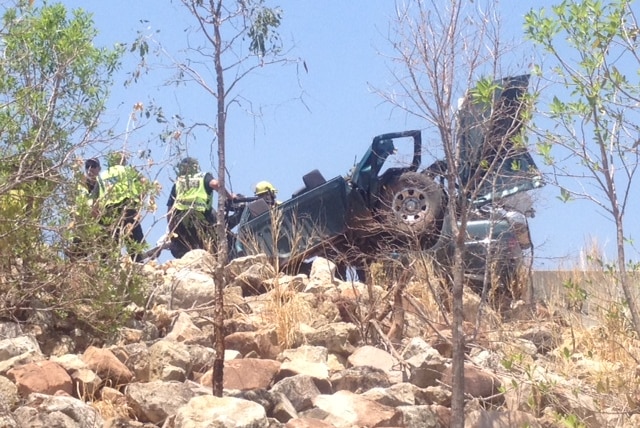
[{"x": 411, "y": 205}]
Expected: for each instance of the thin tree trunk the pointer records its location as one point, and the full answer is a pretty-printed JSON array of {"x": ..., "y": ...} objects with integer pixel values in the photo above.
[
  {"x": 397, "y": 315},
  {"x": 457, "y": 337},
  {"x": 457, "y": 314},
  {"x": 221, "y": 232}
]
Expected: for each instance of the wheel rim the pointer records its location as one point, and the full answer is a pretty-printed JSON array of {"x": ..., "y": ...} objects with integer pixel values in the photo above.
[{"x": 410, "y": 206}]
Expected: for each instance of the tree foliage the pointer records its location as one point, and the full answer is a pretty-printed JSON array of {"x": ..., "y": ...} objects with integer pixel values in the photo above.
[
  {"x": 263, "y": 22},
  {"x": 53, "y": 81},
  {"x": 53, "y": 86},
  {"x": 592, "y": 50}
]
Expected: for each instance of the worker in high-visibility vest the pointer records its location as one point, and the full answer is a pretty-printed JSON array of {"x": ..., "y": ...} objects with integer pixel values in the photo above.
[
  {"x": 83, "y": 229},
  {"x": 120, "y": 199},
  {"x": 190, "y": 213}
]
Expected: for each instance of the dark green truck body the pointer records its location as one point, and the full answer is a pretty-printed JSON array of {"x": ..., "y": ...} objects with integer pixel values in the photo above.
[{"x": 380, "y": 208}]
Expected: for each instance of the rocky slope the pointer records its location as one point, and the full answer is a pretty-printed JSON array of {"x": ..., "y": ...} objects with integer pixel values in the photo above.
[{"x": 302, "y": 352}]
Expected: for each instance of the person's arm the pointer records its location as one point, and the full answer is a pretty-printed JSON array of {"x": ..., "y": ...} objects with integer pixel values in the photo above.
[{"x": 214, "y": 184}]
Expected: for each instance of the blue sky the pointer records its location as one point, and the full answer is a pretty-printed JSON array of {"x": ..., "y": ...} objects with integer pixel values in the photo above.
[{"x": 324, "y": 118}]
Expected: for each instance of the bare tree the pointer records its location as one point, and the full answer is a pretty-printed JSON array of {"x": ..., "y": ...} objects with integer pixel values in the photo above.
[
  {"x": 593, "y": 146},
  {"x": 240, "y": 36},
  {"x": 441, "y": 49}
]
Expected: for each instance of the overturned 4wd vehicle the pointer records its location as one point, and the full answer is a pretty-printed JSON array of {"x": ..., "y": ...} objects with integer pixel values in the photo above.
[{"x": 390, "y": 204}]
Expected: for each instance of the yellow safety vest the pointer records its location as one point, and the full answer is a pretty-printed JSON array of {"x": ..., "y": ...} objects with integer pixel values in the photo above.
[
  {"x": 191, "y": 193},
  {"x": 118, "y": 184}
]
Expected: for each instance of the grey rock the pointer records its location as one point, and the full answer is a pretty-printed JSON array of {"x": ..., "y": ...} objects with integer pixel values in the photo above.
[
  {"x": 360, "y": 379},
  {"x": 300, "y": 390},
  {"x": 43, "y": 411},
  {"x": 169, "y": 361},
  {"x": 416, "y": 417},
  {"x": 425, "y": 367},
  {"x": 399, "y": 394},
  {"x": 202, "y": 357},
  {"x": 220, "y": 412},
  {"x": 283, "y": 410},
  {"x": 374, "y": 357},
  {"x": 196, "y": 261},
  {"x": 18, "y": 350},
  {"x": 156, "y": 400},
  {"x": 340, "y": 337},
  {"x": 137, "y": 358},
  {"x": 346, "y": 409},
  {"x": 322, "y": 271},
  {"x": 306, "y": 360},
  {"x": 185, "y": 331},
  {"x": 10, "y": 330},
  {"x": 188, "y": 289},
  {"x": 6, "y": 417},
  {"x": 8, "y": 393}
]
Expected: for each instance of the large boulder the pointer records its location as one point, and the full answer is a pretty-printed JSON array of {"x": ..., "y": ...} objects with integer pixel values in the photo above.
[
  {"x": 185, "y": 331},
  {"x": 250, "y": 373},
  {"x": 417, "y": 417},
  {"x": 306, "y": 360},
  {"x": 238, "y": 266},
  {"x": 107, "y": 366},
  {"x": 245, "y": 374},
  {"x": 262, "y": 343},
  {"x": 379, "y": 358},
  {"x": 299, "y": 389},
  {"x": 188, "y": 289},
  {"x": 169, "y": 361},
  {"x": 45, "y": 377},
  {"x": 194, "y": 260},
  {"x": 339, "y": 337},
  {"x": 255, "y": 279},
  {"x": 19, "y": 350},
  {"x": 136, "y": 357},
  {"x": 478, "y": 383},
  {"x": 42, "y": 410},
  {"x": 360, "y": 379},
  {"x": 220, "y": 412},
  {"x": 85, "y": 381},
  {"x": 344, "y": 409},
  {"x": 156, "y": 400}
]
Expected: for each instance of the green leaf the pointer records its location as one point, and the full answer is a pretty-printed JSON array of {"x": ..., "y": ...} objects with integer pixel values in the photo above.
[{"x": 565, "y": 195}]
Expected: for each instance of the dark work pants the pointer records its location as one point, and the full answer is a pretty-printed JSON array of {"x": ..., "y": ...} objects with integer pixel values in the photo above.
[
  {"x": 124, "y": 223},
  {"x": 190, "y": 231}
]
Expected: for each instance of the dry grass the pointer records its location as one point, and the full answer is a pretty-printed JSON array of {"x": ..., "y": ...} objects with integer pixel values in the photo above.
[
  {"x": 112, "y": 409},
  {"x": 287, "y": 310},
  {"x": 598, "y": 327},
  {"x": 597, "y": 347},
  {"x": 283, "y": 308}
]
